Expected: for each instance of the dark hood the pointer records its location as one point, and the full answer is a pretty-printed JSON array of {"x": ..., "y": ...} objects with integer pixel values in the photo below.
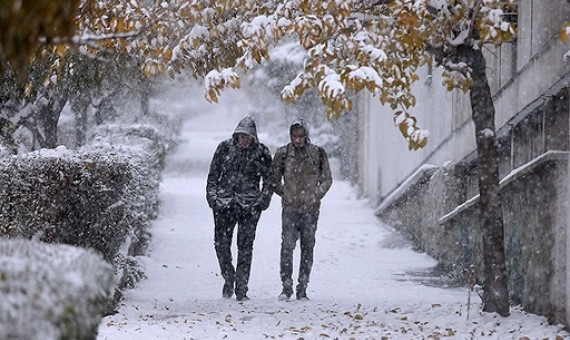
[
  {"x": 300, "y": 122},
  {"x": 247, "y": 126}
]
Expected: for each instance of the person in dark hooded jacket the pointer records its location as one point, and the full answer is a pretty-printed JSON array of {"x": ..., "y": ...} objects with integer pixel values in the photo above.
[
  {"x": 303, "y": 177},
  {"x": 239, "y": 187}
]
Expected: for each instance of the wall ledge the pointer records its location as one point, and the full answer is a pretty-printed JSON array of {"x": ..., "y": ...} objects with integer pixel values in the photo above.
[
  {"x": 423, "y": 172},
  {"x": 549, "y": 156}
]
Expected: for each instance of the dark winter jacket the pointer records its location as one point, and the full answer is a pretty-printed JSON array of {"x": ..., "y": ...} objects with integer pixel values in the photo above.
[
  {"x": 303, "y": 176},
  {"x": 240, "y": 176}
]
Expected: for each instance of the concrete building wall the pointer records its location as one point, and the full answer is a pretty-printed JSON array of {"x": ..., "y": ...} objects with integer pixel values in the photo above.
[
  {"x": 387, "y": 157},
  {"x": 519, "y": 74}
]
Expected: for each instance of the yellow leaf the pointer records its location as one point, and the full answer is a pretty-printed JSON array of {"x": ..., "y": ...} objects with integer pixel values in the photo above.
[
  {"x": 466, "y": 84},
  {"x": 211, "y": 96},
  {"x": 61, "y": 51},
  {"x": 384, "y": 98},
  {"x": 298, "y": 91},
  {"x": 563, "y": 32},
  {"x": 423, "y": 143},
  {"x": 348, "y": 105},
  {"x": 448, "y": 83},
  {"x": 256, "y": 55},
  {"x": 507, "y": 35},
  {"x": 167, "y": 53},
  {"x": 403, "y": 129}
]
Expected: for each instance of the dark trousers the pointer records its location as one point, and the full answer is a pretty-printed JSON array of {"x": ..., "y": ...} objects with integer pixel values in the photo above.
[
  {"x": 303, "y": 227},
  {"x": 225, "y": 220}
]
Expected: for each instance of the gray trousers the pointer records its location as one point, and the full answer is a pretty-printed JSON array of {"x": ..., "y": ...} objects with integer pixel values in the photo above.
[{"x": 303, "y": 227}]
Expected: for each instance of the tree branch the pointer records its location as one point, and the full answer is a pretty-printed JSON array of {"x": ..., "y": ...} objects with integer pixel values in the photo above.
[
  {"x": 86, "y": 39},
  {"x": 437, "y": 52},
  {"x": 476, "y": 10}
]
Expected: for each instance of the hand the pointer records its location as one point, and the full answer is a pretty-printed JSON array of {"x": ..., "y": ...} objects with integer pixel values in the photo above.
[
  {"x": 211, "y": 201},
  {"x": 263, "y": 202}
]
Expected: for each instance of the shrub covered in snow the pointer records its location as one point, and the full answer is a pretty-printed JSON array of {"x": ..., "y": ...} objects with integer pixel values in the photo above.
[
  {"x": 103, "y": 196},
  {"x": 51, "y": 291},
  {"x": 145, "y": 147},
  {"x": 59, "y": 197},
  {"x": 146, "y": 142}
]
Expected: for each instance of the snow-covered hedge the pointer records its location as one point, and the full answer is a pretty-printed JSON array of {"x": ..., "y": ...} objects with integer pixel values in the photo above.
[
  {"x": 59, "y": 197},
  {"x": 145, "y": 147},
  {"x": 103, "y": 196},
  {"x": 51, "y": 291}
]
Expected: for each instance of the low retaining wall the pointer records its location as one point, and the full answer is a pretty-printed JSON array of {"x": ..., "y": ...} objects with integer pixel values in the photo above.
[{"x": 441, "y": 220}]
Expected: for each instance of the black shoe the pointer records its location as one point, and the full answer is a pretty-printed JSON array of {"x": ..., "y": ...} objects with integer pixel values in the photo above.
[
  {"x": 302, "y": 295},
  {"x": 241, "y": 297},
  {"x": 228, "y": 290},
  {"x": 284, "y": 297},
  {"x": 285, "y": 294}
]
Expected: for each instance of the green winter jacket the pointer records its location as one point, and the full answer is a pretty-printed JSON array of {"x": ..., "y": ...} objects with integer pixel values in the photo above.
[{"x": 303, "y": 176}]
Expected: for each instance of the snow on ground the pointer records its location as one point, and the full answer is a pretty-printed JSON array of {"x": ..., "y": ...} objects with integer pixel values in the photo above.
[{"x": 365, "y": 282}]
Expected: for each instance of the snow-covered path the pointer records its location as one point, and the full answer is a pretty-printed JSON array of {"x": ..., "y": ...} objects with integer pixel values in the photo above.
[{"x": 360, "y": 287}]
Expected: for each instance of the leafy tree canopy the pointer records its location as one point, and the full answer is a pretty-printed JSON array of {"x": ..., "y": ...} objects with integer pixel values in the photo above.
[
  {"x": 352, "y": 45},
  {"x": 26, "y": 25}
]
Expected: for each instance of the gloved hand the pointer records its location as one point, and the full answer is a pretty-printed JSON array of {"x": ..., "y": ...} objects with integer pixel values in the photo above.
[
  {"x": 263, "y": 202},
  {"x": 211, "y": 201}
]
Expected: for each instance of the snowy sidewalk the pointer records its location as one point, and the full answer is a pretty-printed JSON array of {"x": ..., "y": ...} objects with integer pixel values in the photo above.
[{"x": 360, "y": 287}]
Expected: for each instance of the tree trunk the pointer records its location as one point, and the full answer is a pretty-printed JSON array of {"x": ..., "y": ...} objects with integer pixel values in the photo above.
[
  {"x": 80, "y": 124},
  {"x": 495, "y": 285},
  {"x": 49, "y": 118},
  {"x": 145, "y": 96},
  {"x": 79, "y": 105}
]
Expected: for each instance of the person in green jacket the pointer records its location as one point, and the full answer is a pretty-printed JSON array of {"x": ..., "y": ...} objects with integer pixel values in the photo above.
[{"x": 302, "y": 178}]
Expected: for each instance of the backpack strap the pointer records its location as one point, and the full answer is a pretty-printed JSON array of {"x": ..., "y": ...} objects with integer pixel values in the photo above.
[
  {"x": 284, "y": 158},
  {"x": 321, "y": 157}
]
